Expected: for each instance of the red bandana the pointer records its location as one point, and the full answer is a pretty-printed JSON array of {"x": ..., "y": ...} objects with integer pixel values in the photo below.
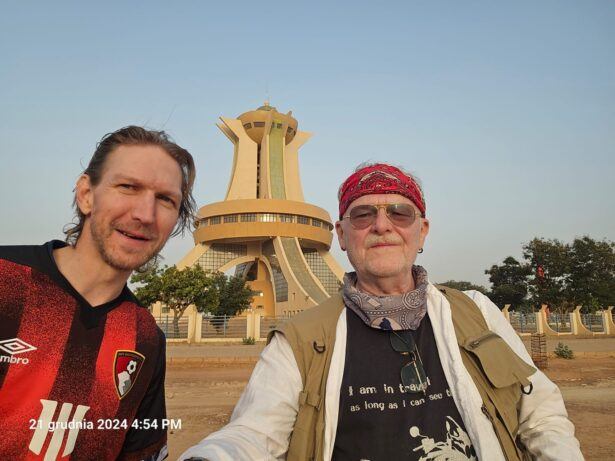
[{"x": 380, "y": 179}]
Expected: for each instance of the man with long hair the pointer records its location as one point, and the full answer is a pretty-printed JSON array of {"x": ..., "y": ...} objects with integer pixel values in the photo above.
[{"x": 82, "y": 364}]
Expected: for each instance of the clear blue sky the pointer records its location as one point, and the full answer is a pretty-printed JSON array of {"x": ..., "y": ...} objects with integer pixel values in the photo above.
[{"x": 505, "y": 110}]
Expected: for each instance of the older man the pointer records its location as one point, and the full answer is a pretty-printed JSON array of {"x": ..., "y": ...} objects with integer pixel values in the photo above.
[
  {"x": 82, "y": 369},
  {"x": 394, "y": 367}
]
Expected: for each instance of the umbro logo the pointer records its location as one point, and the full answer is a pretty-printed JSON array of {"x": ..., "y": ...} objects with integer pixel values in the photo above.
[{"x": 14, "y": 347}]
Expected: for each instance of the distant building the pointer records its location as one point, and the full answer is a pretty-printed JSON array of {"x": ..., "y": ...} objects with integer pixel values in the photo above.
[{"x": 264, "y": 228}]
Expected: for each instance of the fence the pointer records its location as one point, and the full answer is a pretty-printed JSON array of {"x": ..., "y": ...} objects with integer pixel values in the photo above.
[
  {"x": 560, "y": 323},
  {"x": 171, "y": 331},
  {"x": 223, "y": 327},
  {"x": 593, "y": 322},
  {"x": 195, "y": 327},
  {"x": 556, "y": 324},
  {"x": 523, "y": 323}
]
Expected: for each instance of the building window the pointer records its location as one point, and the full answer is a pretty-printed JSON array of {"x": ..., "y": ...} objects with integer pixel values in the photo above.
[
  {"x": 248, "y": 217},
  {"x": 286, "y": 217},
  {"x": 214, "y": 220},
  {"x": 247, "y": 126},
  {"x": 320, "y": 269},
  {"x": 230, "y": 218},
  {"x": 267, "y": 217},
  {"x": 279, "y": 281},
  {"x": 259, "y": 124},
  {"x": 203, "y": 222},
  {"x": 316, "y": 223},
  {"x": 219, "y": 254},
  {"x": 303, "y": 220}
]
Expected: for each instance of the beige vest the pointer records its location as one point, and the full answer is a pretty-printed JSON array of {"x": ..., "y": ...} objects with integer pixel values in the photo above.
[{"x": 496, "y": 370}]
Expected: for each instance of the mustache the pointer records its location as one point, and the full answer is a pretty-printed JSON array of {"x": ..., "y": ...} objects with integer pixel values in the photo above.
[{"x": 371, "y": 241}]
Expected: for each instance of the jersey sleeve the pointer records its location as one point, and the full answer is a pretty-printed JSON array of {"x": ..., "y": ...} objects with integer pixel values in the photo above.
[{"x": 149, "y": 444}]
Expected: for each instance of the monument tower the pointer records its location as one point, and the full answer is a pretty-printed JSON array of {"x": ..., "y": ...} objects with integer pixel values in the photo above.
[{"x": 263, "y": 227}]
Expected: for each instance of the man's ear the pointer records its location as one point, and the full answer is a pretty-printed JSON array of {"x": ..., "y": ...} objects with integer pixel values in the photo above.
[
  {"x": 83, "y": 194},
  {"x": 340, "y": 235},
  {"x": 424, "y": 231}
]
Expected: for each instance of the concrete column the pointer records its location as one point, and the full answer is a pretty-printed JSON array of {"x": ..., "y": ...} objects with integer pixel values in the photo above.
[
  {"x": 191, "y": 324},
  {"x": 156, "y": 309},
  {"x": 542, "y": 324},
  {"x": 578, "y": 329},
  {"x": 250, "y": 325},
  {"x": 540, "y": 327},
  {"x": 198, "y": 328},
  {"x": 257, "y": 326},
  {"x": 607, "y": 319},
  {"x": 506, "y": 313}
]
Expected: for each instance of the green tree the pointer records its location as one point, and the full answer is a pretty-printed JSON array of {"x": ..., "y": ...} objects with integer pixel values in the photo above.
[
  {"x": 549, "y": 262},
  {"x": 177, "y": 289},
  {"x": 509, "y": 283},
  {"x": 592, "y": 273},
  {"x": 233, "y": 293},
  {"x": 232, "y": 297},
  {"x": 463, "y": 286}
]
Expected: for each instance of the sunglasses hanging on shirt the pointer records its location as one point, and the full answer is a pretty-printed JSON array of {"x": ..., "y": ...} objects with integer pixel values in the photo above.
[{"x": 413, "y": 377}]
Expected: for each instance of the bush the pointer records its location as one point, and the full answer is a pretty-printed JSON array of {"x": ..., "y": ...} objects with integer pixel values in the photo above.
[
  {"x": 249, "y": 341},
  {"x": 563, "y": 351}
]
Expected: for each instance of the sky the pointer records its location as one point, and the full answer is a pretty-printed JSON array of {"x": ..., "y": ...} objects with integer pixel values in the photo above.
[{"x": 504, "y": 110}]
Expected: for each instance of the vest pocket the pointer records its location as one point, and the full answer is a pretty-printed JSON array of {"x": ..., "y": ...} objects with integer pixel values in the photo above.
[
  {"x": 502, "y": 366},
  {"x": 506, "y": 375}
]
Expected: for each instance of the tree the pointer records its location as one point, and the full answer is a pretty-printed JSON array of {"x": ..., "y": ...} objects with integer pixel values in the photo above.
[
  {"x": 234, "y": 296},
  {"x": 549, "y": 263},
  {"x": 509, "y": 283},
  {"x": 566, "y": 275},
  {"x": 592, "y": 273},
  {"x": 177, "y": 289},
  {"x": 462, "y": 285}
]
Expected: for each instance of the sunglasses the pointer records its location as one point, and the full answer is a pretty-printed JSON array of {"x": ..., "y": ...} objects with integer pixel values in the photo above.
[
  {"x": 363, "y": 216},
  {"x": 413, "y": 377}
]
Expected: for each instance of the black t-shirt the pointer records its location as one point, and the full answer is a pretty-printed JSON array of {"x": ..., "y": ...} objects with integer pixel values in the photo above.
[
  {"x": 76, "y": 381},
  {"x": 377, "y": 420}
]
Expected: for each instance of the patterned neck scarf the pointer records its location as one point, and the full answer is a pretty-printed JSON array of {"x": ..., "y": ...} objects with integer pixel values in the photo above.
[{"x": 393, "y": 312}]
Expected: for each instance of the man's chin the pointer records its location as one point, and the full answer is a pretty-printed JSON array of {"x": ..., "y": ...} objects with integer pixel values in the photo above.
[
  {"x": 388, "y": 270},
  {"x": 127, "y": 263}
]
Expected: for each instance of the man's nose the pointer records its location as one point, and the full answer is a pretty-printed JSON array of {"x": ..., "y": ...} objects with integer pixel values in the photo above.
[
  {"x": 144, "y": 208},
  {"x": 382, "y": 223}
]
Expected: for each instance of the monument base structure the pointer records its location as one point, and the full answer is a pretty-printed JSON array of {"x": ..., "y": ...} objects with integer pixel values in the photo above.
[{"x": 264, "y": 228}]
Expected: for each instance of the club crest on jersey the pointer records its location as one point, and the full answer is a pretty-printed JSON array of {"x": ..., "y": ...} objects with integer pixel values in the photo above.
[{"x": 126, "y": 368}]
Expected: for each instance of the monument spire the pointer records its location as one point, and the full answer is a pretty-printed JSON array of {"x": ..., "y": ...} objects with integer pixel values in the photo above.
[{"x": 263, "y": 227}]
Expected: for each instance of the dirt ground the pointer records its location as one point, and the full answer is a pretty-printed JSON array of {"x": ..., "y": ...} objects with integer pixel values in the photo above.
[{"x": 203, "y": 398}]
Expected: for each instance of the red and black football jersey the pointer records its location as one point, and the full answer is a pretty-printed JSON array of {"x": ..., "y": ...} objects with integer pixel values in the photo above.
[{"x": 76, "y": 382}]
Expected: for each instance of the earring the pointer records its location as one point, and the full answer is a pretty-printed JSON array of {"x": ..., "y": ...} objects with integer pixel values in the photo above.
[{"x": 420, "y": 250}]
